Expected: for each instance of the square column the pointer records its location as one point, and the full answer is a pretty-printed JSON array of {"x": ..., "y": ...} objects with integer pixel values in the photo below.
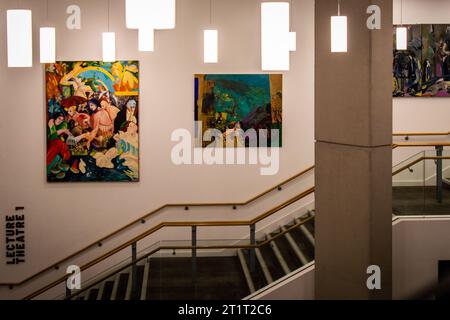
[{"x": 353, "y": 107}]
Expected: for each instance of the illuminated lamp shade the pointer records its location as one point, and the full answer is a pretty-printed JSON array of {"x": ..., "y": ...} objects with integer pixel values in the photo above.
[
  {"x": 275, "y": 37},
  {"x": 47, "y": 45},
  {"x": 155, "y": 14},
  {"x": 292, "y": 41},
  {"x": 109, "y": 46},
  {"x": 20, "y": 38},
  {"x": 210, "y": 46},
  {"x": 339, "y": 34},
  {"x": 146, "y": 39},
  {"x": 402, "y": 38}
]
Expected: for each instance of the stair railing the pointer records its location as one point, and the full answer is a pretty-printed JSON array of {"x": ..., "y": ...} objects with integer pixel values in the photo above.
[
  {"x": 412, "y": 134},
  {"x": 251, "y": 224},
  {"x": 252, "y": 247},
  {"x": 132, "y": 243},
  {"x": 141, "y": 220},
  {"x": 186, "y": 206}
]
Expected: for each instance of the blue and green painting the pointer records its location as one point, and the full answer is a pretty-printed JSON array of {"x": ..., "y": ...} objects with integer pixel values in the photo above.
[
  {"x": 229, "y": 102},
  {"x": 92, "y": 121}
]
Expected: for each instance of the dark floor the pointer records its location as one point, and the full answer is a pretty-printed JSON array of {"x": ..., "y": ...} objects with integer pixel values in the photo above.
[
  {"x": 219, "y": 278},
  {"x": 419, "y": 201}
]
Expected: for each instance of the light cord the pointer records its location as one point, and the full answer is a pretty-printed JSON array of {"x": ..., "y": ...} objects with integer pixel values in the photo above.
[
  {"x": 291, "y": 14},
  {"x": 210, "y": 12},
  {"x": 109, "y": 8},
  {"x": 401, "y": 12}
]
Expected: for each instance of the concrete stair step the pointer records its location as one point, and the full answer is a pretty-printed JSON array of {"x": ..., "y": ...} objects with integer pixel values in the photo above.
[
  {"x": 115, "y": 287},
  {"x": 92, "y": 294},
  {"x": 145, "y": 278},
  {"x": 135, "y": 295},
  {"x": 279, "y": 256},
  {"x": 245, "y": 269},
  {"x": 310, "y": 226},
  {"x": 295, "y": 247},
  {"x": 258, "y": 277},
  {"x": 292, "y": 260},
  {"x": 307, "y": 233},
  {"x": 306, "y": 248},
  {"x": 107, "y": 290},
  {"x": 101, "y": 287},
  {"x": 122, "y": 286},
  {"x": 264, "y": 267},
  {"x": 273, "y": 263}
]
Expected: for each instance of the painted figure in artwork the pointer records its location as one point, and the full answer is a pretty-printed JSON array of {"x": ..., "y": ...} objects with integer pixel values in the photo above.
[
  {"x": 88, "y": 106},
  {"x": 423, "y": 69}
]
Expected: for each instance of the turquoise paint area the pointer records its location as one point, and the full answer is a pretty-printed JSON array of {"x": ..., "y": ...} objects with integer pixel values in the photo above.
[
  {"x": 97, "y": 75},
  {"x": 239, "y": 95}
]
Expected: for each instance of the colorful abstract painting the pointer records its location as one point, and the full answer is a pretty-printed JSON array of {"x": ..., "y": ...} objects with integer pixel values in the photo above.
[
  {"x": 92, "y": 121},
  {"x": 423, "y": 70},
  {"x": 229, "y": 102}
]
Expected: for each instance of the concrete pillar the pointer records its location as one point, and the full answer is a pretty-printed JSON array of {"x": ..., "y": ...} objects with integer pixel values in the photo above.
[{"x": 353, "y": 108}]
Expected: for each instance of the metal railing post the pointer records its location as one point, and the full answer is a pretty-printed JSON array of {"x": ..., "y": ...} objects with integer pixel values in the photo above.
[
  {"x": 439, "y": 150},
  {"x": 252, "y": 250},
  {"x": 194, "y": 254},
  {"x": 133, "y": 268}
]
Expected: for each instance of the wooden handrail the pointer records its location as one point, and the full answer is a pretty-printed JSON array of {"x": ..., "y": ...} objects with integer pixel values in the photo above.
[
  {"x": 175, "y": 224},
  {"x": 142, "y": 219},
  {"x": 411, "y": 134},
  {"x": 409, "y": 165},
  {"x": 421, "y": 144}
]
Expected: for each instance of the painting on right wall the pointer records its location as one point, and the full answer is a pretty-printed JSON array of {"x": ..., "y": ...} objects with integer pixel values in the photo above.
[{"x": 423, "y": 70}]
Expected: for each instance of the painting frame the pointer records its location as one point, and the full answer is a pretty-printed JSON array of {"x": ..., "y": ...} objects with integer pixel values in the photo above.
[
  {"x": 239, "y": 102},
  {"x": 423, "y": 69},
  {"x": 92, "y": 121}
]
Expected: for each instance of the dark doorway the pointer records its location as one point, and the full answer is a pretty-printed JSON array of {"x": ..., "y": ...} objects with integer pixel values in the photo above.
[{"x": 444, "y": 280}]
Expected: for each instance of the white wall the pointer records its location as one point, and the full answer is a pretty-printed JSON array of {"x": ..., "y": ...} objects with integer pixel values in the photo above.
[
  {"x": 417, "y": 247},
  {"x": 62, "y": 218},
  {"x": 298, "y": 285}
]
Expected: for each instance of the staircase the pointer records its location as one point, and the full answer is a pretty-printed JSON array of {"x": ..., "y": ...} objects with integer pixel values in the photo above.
[
  {"x": 217, "y": 277},
  {"x": 281, "y": 252}
]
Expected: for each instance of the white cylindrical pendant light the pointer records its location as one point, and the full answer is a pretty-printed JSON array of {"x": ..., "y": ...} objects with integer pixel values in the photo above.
[
  {"x": 155, "y": 14},
  {"x": 401, "y": 32},
  {"x": 275, "y": 36},
  {"x": 402, "y": 38},
  {"x": 20, "y": 38},
  {"x": 210, "y": 46},
  {"x": 109, "y": 46},
  {"x": 47, "y": 45},
  {"x": 146, "y": 39},
  {"x": 339, "y": 34},
  {"x": 109, "y": 42}
]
